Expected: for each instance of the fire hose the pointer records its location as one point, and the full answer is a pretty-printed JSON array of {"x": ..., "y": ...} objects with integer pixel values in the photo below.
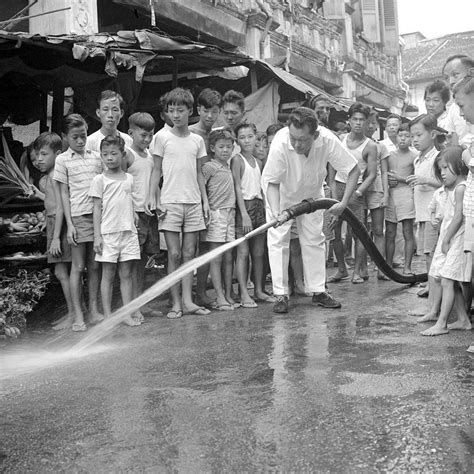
[{"x": 308, "y": 206}]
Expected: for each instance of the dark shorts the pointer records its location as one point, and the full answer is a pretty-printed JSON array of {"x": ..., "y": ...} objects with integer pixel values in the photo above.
[
  {"x": 256, "y": 212},
  {"x": 148, "y": 236},
  {"x": 65, "y": 256},
  {"x": 84, "y": 226},
  {"x": 356, "y": 204}
]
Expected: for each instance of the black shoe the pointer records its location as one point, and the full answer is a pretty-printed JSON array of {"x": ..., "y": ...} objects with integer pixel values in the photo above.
[
  {"x": 325, "y": 300},
  {"x": 281, "y": 304}
]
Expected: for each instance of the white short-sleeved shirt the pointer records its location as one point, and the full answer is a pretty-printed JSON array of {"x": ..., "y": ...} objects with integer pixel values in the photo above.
[
  {"x": 454, "y": 123},
  {"x": 77, "y": 172},
  {"x": 141, "y": 170},
  {"x": 424, "y": 193},
  {"x": 117, "y": 202},
  {"x": 299, "y": 176},
  {"x": 94, "y": 140},
  {"x": 179, "y": 167}
]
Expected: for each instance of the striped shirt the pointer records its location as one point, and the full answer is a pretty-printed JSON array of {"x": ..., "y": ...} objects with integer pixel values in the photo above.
[{"x": 77, "y": 172}]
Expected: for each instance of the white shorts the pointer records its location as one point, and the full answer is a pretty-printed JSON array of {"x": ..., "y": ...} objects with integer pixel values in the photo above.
[{"x": 119, "y": 247}]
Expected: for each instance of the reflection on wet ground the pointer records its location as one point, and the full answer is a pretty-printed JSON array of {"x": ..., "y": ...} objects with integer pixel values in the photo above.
[{"x": 356, "y": 390}]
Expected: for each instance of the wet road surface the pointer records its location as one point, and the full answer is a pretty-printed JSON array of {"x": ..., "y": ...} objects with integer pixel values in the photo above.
[{"x": 351, "y": 390}]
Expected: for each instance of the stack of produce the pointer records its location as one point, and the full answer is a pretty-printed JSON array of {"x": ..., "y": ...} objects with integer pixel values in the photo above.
[{"x": 32, "y": 222}]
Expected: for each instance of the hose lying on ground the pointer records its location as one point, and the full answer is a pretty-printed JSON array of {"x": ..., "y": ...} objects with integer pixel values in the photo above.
[{"x": 311, "y": 205}]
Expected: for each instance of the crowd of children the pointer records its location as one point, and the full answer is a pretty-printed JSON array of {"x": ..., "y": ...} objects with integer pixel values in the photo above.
[{"x": 107, "y": 195}]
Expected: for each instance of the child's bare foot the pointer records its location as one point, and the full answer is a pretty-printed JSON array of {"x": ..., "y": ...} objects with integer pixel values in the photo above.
[
  {"x": 408, "y": 271},
  {"x": 428, "y": 317},
  {"x": 460, "y": 326},
  {"x": 95, "y": 317},
  {"x": 435, "y": 331},
  {"x": 64, "y": 323},
  {"x": 262, "y": 297},
  {"x": 206, "y": 301},
  {"x": 195, "y": 309},
  {"x": 129, "y": 321}
]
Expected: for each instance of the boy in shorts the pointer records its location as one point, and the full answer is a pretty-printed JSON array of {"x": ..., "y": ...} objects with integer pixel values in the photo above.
[
  {"x": 221, "y": 227},
  {"x": 115, "y": 234},
  {"x": 250, "y": 214},
  {"x": 74, "y": 170},
  {"x": 140, "y": 166},
  {"x": 110, "y": 110},
  {"x": 401, "y": 204},
  {"x": 182, "y": 202},
  {"x": 47, "y": 147}
]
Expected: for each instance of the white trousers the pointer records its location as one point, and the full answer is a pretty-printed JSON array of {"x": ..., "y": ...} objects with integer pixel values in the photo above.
[{"x": 310, "y": 233}]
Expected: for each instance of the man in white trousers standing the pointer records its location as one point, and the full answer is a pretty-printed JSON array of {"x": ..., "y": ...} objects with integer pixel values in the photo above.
[{"x": 295, "y": 170}]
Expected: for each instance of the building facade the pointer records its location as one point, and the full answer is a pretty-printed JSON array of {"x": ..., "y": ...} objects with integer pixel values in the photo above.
[{"x": 349, "y": 48}]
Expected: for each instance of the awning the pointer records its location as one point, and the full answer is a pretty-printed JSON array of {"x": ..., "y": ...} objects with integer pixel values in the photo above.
[{"x": 303, "y": 86}]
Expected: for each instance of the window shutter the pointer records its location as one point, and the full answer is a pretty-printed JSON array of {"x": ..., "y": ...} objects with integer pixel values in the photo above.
[
  {"x": 391, "y": 27},
  {"x": 334, "y": 9},
  {"x": 371, "y": 20}
]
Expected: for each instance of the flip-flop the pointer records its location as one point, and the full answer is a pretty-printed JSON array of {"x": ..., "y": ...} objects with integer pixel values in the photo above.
[
  {"x": 79, "y": 327},
  {"x": 337, "y": 279},
  {"x": 224, "y": 307},
  {"x": 199, "y": 310},
  {"x": 174, "y": 314},
  {"x": 249, "y": 304}
]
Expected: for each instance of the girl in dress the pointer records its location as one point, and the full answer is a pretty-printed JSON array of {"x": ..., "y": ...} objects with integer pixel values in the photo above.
[{"x": 451, "y": 266}]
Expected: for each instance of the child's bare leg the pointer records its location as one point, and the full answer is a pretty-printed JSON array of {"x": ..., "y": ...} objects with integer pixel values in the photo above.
[
  {"x": 447, "y": 302},
  {"x": 228, "y": 271},
  {"x": 358, "y": 261},
  {"x": 138, "y": 275},
  {"x": 390, "y": 233},
  {"x": 126, "y": 289},
  {"x": 463, "y": 323},
  {"x": 377, "y": 216},
  {"x": 216, "y": 276},
  {"x": 434, "y": 302},
  {"x": 78, "y": 253},
  {"x": 241, "y": 269},
  {"x": 173, "y": 245},
  {"x": 296, "y": 263},
  {"x": 338, "y": 247},
  {"x": 106, "y": 286},
  {"x": 62, "y": 274},
  {"x": 466, "y": 288},
  {"x": 188, "y": 252},
  {"x": 93, "y": 282},
  {"x": 257, "y": 249},
  {"x": 201, "y": 278},
  {"x": 409, "y": 238}
]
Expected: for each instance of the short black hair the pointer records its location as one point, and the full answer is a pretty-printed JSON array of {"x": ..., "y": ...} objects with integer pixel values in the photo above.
[
  {"x": 273, "y": 128},
  {"x": 234, "y": 97},
  {"x": 453, "y": 156},
  {"x": 71, "y": 121},
  {"x": 394, "y": 116},
  {"x": 109, "y": 94},
  {"x": 208, "y": 98},
  {"x": 245, "y": 124},
  {"x": 358, "y": 108},
  {"x": 225, "y": 133},
  {"x": 179, "y": 96},
  {"x": 116, "y": 140},
  {"x": 141, "y": 120},
  {"x": 304, "y": 116},
  {"x": 464, "y": 58},
  {"x": 429, "y": 122},
  {"x": 49, "y": 139},
  {"x": 404, "y": 127},
  {"x": 441, "y": 87}
]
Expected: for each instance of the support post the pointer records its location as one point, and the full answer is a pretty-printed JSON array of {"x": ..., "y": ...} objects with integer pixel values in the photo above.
[
  {"x": 58, "y": 108},
  {"x": 253, "y": 80},
  {"x": 44, "y": 112}
]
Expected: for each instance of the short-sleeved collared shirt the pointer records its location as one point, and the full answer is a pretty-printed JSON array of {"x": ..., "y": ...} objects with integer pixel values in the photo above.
[
  {"x": 299, "y": 176},
  {"x": 77, "y": 172},
  {"x": 457, "y": 124},
  {"x": 219, "y": 185},
  {"x": 94, "y": 140}
]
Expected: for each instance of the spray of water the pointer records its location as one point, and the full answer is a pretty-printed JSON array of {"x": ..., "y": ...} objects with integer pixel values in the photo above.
[{"x": 104, "y": 328}]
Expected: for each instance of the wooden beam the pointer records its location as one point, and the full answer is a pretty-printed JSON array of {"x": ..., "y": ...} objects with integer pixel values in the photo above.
[
  {"x": 58, "y": 108},
  {"x": 44, "y": 112}
]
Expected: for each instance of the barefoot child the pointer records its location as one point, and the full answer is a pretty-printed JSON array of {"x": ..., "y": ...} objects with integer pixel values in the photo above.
[
  {"x": 115, "y": 234},
  {"x": 178, "y": 153},
  {"x": 250, "y": 214},
  {"x": 110, "y": 110},
  {"x": 221, "y": 227},
  {"x": 450, "y": 265},
  {"x": 140, "y": 166},
  {"x": 401, "y": 205},
  {"x": 47, "y": 147},
  {"x": 424, "y": 182},
  {"x": 74, "y": 170}
]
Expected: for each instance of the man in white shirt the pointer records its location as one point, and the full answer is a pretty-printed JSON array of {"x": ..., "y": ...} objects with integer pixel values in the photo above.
[
  {"x": 455, "y": 69},
  {"x": 295, "y": 170}
]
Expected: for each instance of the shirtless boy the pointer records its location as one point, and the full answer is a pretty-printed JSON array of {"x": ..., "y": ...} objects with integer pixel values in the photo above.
[{"x": 401, "y": 205}]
